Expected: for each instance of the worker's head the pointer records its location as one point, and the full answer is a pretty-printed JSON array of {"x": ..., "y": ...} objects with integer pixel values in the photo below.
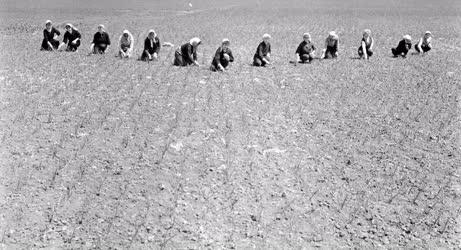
[
  {"x": 48, "y": 24},
  {"x": 366, "y": 33},
  {"x": 427, "y": 34},
  {"x": 407, "y": 38},
  {"x": 225, "y": 43},
  {"x": 195, "y": 41},
  {"x": 307, "y": 37},
  {"x": 101, "y": 28},
  {"x": 151, "y": 34},
  {"x": 266, "y": 38},
  {"x": 68, "y": 27},
  {"x": 333, "y": 35}
]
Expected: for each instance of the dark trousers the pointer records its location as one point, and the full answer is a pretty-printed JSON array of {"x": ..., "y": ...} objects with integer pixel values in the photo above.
[
  {"x": 424, "y": 48},
  {"x": 145, "y": 55},
  {"x": 54, "y": 43},
  {"x": 258, "y": 62},
  {"x": 223, "y": 63},
  {"x": 306, "y": 58},
  {"x": 330, "y": 52},
  {"x": 400, "y": 52},
  {"x": 179, "y": 60},
  {"x": 369, "y": 52},
  {"x": 99, "y": 48},
  {"x": 73, "y": 47}
]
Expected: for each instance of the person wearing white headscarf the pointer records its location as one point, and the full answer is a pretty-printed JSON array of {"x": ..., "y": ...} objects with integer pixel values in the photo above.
[
  {"x": 262, "y": 56},
  {"x": 101, "y": 41},
  {"x": 403, "y": 47},
  {"x": 223, "y": 57},
  {"x": 424, "y": 44},
  {"x": 331, "y": 46},
  {"x": 305, "y": 52},
  {"x": 151, "y": 46},
  {"x": 187, "y": 54},
  {"x": 49, "y": 33},
  {"x": 125, "y": 44},
  {"x": 71, "y": 39},
  {"x": 366, "y": 47}
]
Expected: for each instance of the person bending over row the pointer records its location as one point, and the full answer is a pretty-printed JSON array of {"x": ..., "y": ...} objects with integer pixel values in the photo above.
[
  {"x": 403, "y": 47},
  {"x": 424, "y": 44},
  {"x": 262, "y": 56},
  {"x": 101, "y": 41},
  {"x": 305, "y": 52},
  {"x": 71, "y": 39},
  {"x": 125, "y": 44},
  {"x": 187, "y": 54},
  {"x": 49, "y": 33},
  {"x": 331, "y": 46},
  {"x": 223, "y": 57},
  {"x": 151, "y": 47},
  {"x": 366, "y": 47}
]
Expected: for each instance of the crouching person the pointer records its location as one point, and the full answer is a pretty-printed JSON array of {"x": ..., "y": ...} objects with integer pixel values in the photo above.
[
  {"x": 125, "y": 44},
  {"x": 49, "y": 33},
  {"x": 71, "y": 39},
  {"x": 331, "y": 46},
  {"x": 223, "y": 57},
  {"x": 366, "y": 47},
  {"x": 101, "y": 41},
  {"x": 424, "y": 44},
  {"x": 262, "y": 56},
  {"x": 403, "y": 47},
  {"x": 187, "y": 54},
  {"x": 305, "y": 52},
  {"x": 151, "y": 47}
]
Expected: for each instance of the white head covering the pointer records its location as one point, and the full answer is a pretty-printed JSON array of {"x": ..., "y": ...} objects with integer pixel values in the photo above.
[
  {"x": 195, "y": 40},
  {"x": 125, "y": 32},
  {"x": 225, "y": 40},
  {"x": 266, "y": 36},
  {"x": 102, "y": 26},
  {"x": 333, "y": 35},
  {"x": 407, "y": 37},
  {"x": 71, "y": 26},
  {"x": 152, "y": 31},
  {"x": 48, "y": 22},
  {"x": 367, "y": 31},
  {"x": 428, "y": 33},
  {"x": 306, "y": 35}
]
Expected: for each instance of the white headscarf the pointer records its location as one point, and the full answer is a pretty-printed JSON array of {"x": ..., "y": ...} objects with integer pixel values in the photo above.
[{"x": 195, "y": 40}]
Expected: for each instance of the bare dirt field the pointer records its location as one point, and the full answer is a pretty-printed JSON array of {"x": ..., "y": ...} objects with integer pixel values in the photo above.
[{"x": 98, "y": 152}]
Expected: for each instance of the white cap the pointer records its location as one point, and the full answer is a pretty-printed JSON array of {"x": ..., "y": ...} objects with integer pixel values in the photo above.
[
  {"x": 428, "y": 32},
  {"x": 101, "y": 26},
  {"x": 126, "y": 32},
  {"x": 367, "y": 31},
  {"x": 226, "y": 40},
  {"x": 306, "y": 35},
  {"x": 333, "y": 35},
  {"x": 266, "y": 36},
  {"x": 407, "y": 37},
  {"x": 48, "y": 21},
  {"x": 195, "y": 40}
]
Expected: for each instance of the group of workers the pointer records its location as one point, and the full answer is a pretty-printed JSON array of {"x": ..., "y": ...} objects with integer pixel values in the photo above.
[{"x": 186, "y": 54}]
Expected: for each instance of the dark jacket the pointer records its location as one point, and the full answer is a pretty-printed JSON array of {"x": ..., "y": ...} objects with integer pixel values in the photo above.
[
  {"x": 68, "y": 37},
  {"x": 219, "y": 57},
  {"x": 188, "y": 53},
  {"x": 403, "y": 46},
  {"x": 262, "y": 50},
  {"x": 101, "y": 38},
  {"x": 153, "y": 47},
  {"x": 305, "y": 48},
  {"x": 49, "y": 36}
]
